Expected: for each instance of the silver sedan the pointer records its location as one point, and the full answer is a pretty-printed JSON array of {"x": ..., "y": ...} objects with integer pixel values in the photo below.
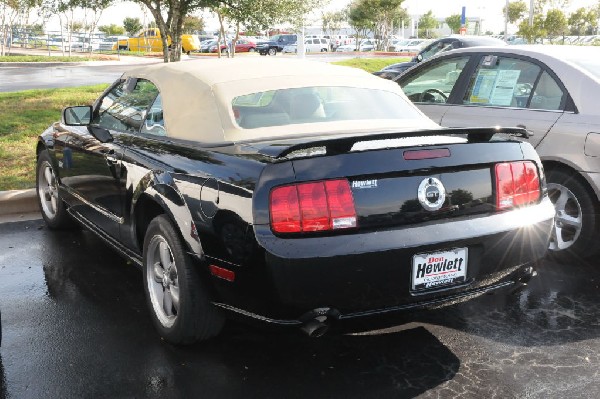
[{"x": 552, "y": 91}]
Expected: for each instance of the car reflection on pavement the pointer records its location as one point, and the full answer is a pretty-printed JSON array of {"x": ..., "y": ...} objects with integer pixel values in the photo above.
[{"x": 60, "y": 300}]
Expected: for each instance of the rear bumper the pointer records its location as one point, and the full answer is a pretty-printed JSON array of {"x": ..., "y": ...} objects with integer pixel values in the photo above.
[{"x": 370, "y": 273}]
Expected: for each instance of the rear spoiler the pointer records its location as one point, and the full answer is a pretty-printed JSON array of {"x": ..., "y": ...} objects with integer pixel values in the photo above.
[{"x": 341, "y": 145}]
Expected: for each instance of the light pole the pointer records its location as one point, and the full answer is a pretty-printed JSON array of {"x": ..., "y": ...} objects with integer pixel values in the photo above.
[
  {"x": 506, "y": 22},
  {"x": 531, "y": 13}
]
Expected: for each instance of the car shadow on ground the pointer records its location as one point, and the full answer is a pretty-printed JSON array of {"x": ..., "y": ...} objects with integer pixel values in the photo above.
[
  {"x": 95, "y": 313},
  {"x": 560, "y": 305},
  {"x": 3, "y": 392},
  {"x": 245, "y": 360}
]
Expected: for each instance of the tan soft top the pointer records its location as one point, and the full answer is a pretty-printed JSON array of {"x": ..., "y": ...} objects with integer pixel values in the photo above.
[{"x": 197, "y": 95}]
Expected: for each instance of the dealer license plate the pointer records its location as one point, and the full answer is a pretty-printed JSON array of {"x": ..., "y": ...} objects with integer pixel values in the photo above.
[{"x": 439, "y": 269}]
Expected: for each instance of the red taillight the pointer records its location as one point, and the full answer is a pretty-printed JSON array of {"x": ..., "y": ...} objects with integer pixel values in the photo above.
[
  {"x": 517, "y": 184},
  {"x": 315, "y": 206}
]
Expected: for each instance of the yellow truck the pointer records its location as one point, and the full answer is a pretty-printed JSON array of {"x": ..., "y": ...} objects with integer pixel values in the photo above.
[{"x": 149, "y": 40}]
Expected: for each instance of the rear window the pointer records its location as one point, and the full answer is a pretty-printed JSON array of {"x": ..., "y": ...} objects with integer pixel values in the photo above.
[{"x": 319, "y": 104}]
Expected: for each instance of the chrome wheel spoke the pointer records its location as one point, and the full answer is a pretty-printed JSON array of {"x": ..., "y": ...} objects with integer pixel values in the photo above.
[
  {"x": 53, "y": 204},
  {"x": 168, "y": 302},
  {"x": 561, "y": 202},
  {"x": 158, "y": 272},
  {"x": 165, "y": 255},
  {"x": 175, "y": 295},
  {"x": 557, "y": 238},
  {"x": 48, "y": 176},
  {"x": 568, "y": 220}
]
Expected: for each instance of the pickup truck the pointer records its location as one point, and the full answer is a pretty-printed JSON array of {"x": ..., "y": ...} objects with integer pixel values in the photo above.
[{"x": 149, "y": 40}]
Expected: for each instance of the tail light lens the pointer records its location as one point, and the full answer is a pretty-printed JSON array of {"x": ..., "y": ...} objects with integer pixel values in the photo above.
[
  {"x": 517, "y": 184},
  {"x": 316, "y": 206}
]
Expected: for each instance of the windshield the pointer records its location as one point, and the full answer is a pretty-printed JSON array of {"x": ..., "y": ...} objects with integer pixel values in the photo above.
[{"x": 319, "y": 104}]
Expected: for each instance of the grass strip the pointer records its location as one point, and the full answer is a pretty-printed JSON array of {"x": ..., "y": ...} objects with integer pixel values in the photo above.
[
  {"x": 371, "y": 64},
  {"x": 25, "y": 115}
]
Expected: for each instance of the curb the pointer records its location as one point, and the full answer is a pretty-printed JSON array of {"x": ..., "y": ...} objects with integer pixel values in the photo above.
[{"x": 16, "y": 202}]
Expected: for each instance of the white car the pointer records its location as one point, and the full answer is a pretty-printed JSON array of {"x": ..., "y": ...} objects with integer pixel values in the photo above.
[
  {"x": 365, "y": 45},
  {"x": 413, "y": 46},
  {"x": 311, "y": 45},
  {"x": 110, "y": 42}
]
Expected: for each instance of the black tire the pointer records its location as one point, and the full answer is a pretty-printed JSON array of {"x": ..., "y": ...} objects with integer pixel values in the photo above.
[
  {"x": 52, "y": 207},
  {"x": 575, "y": 230},
  {"x": 251, "y": 50},
  {"x": 184, "y": 313},
  {"x": 272, "y": 51}
]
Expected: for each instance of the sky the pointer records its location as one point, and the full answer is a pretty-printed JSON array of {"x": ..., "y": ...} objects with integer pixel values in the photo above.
[{"x": 489, "y": 10}]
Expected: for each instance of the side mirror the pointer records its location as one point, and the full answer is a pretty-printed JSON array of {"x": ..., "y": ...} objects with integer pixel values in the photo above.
[
  {"x": 77, "y": 116},
  {"x": 419, "y": 58}
]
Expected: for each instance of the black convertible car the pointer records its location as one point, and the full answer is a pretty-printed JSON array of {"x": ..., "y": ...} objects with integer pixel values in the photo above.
[{"x": 296, "y": 193}]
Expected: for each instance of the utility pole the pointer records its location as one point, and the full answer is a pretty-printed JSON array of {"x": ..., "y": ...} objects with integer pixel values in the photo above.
[
  {"x": 531, "y": 13},
  {"x": 506, "y": 22}
]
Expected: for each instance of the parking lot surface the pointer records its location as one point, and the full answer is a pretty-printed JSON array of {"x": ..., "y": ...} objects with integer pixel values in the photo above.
[{"x": 75, "y": 325}]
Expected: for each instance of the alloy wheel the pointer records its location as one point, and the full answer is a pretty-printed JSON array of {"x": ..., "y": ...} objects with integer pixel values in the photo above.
[
  {"x": 162, "y": 280},
  {"x": 568, "y": 219},
  {"x": 48, "y": 191}
]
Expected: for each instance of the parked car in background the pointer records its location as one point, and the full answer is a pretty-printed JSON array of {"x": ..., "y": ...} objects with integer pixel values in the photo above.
[
  {"x": 206, "y": 45},
  {"x": 150, "y": 40},
  {"x": 340, "y": 40},
  {"x": 85, "y": 44},
  {"x": 283, "y": 40},
  {"x": 365, "y": 45},
  {"x": 552, "y": 91},
  {"x": 311, "y": 45},
  {"x": 242, "y": 46},
  {"x": 267, "y": 47},
  {"x": 292, "y": 192},
  {"x": 412, "y": 46},
  {"x": 438, "y": 46},
  {"x": 110, "y": 43}
]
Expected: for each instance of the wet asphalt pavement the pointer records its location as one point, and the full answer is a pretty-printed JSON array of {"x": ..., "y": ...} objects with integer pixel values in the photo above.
[{"x": 75, "y": 325}]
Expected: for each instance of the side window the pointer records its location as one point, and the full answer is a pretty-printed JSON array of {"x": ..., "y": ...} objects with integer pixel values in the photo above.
[
  {"x": 547, "y": 94},
  {"x": 124, "y": 108},
  {"x": 154, "y": 122},
  {"x": 434, "y": 84},
  {"x": 502, "y": 81}
]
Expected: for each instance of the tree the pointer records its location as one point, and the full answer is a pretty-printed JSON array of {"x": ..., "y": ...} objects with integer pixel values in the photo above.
[
  {"x": 454, "y": 22},
  {"x": 532, "y": 33},
  {"x": 555, "y": 23},
  {"x": 385, "y": 14},
  {"x": 192, "y": 24},
  {"x": 583, "y": 22},
  {"x": 169, "y": 16},
  {"x": 332, "y": 21},
  {"x": 10, "y": 12},
  {"x": 112, "y": 29},
  {"x": 359, "y": 19},
  {"x": 261, "y": 14},
  {"x": 132, "y": 25},
  {"x": 516, "y": 11},
  {"x": 427, "y": 23}
]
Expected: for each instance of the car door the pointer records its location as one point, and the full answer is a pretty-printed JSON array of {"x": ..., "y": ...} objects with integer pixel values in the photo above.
[
  {"x": 93, "y": 172},
  {"x": 507, "y": 90},
  {"x": 432, "y": 86}
]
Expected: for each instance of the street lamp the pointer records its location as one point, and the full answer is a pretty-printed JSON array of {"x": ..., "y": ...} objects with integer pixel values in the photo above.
[{"x": 506, "y": 22}]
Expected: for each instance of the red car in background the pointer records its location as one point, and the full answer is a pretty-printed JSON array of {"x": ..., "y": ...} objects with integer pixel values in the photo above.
[{"x": 242, "y": 46}]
